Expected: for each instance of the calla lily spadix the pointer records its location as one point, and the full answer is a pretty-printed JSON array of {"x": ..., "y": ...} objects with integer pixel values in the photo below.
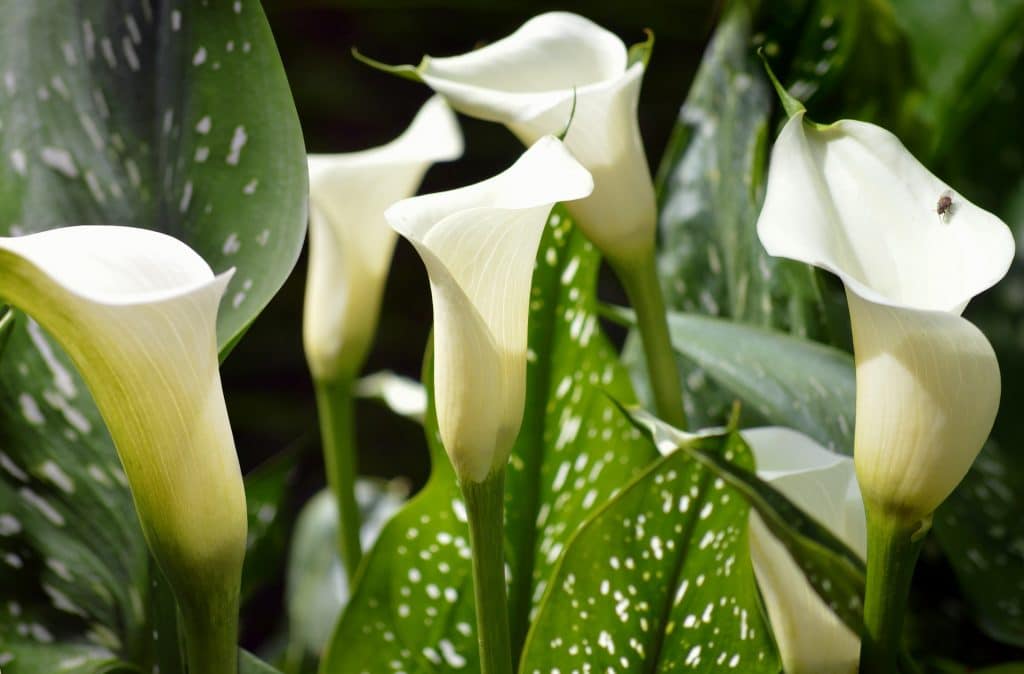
[
  {"x": 531, "y": 80},
  {"x": 350, "y": 245},
  {"x": 810, "y": 637},
  {"x": 851, "y": 199},
  {"x": 136, "y": 311},
  {"x": 478, "y": 244}
]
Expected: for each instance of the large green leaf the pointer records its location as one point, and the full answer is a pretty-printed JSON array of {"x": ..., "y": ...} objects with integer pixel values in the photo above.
[
  {"x": 835, "y": 571},
  {"x": 711, "y": 184},
  {"x": 317, "y": 587},
  {"x": 34, "y": 658},
  {"x": 659, "y": 580},
  {"x": 170, "y": 116},
  {"x": 788, "y": 380},
  {"x": 413, "y": 606},
  {"x": 980, "y": 529},
  {"x": 960, "y": 82},
  {"x": 979, "y": 526}
]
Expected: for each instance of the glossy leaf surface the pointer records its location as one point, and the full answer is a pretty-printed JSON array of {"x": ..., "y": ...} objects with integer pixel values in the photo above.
[
  {"x": 413, "y": 607},
  {"x": 117, "y": 113}
]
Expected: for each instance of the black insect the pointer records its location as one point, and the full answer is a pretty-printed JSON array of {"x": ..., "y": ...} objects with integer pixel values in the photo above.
[{"x": 945, "y": 205}]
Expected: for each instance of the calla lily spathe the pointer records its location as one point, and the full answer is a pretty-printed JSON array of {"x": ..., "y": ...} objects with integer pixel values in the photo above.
[
  {"x": 850, "y": 198},
  {"x": 530, "y": 82},
  {"x": 350, "y": 245},
  {"x": 136, "y": 311},
  {"x": 479, "y": 244},
  {"x": 810, "y": 637}
]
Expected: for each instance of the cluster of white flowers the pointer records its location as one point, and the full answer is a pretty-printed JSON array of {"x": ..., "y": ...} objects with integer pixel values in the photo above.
[{"x": 133, "y": 307}]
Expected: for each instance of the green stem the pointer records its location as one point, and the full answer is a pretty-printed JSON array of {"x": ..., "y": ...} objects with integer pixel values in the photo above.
[
  {"x": 485, "y": 507},
  {"x": 337, "y": 430},
  {"x": 640, "y": 279},
  {"x": 211, "y": 635},
  {"x": 892, "y": 554}
]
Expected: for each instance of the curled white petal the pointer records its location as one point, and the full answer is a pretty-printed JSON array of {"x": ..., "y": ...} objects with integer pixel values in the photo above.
[
  {"x": 928, "y": 389},
  {"x": 136, "y": 312},
  {"x": 811, "y": 638},
  {"x": 350, "y": 245},
  {"x": 478, "y": 244},
  {"x": 402, "y": 395},
  {"x": 555, "y": 66},
  {"x": 850, "y": 198}
]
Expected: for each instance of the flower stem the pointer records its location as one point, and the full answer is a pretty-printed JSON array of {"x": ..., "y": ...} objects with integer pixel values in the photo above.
[
  {"x": 338, "y": 430},
  {"x": 892, "y": 555},
  {"x": 211, "y": 635},
  {"x": 485, "y": 507},
  {"x": 640, "y": 279}
]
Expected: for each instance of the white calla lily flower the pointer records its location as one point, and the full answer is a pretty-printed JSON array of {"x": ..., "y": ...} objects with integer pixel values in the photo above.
[
  {"x": 136, "y": 311},
  {"x": 350, "y": 245},
  {"x": 556, "y": 66},
  {"x": 810, "y": 637},
  {"x": 479, "y": 244},
  {"x": 851, "y": 199}
]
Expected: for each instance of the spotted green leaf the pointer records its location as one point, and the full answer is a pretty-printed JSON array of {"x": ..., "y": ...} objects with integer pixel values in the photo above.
[
  {"x": 413, "y": 609},
  {"x": 979, "y": 526},
  {"x": 835, "y": 571},
  {"x": 711, "y": 183},
  {"x": 980, "y": 529},
  {"x": 788, "y": 380},
  {"x": 711, "y": 189},
  {"x": 844, "y": 59},
  {"x": 170, "y": 115},
  {"x": 33, "y": 658},
  {"x": 659, "y": 580}
]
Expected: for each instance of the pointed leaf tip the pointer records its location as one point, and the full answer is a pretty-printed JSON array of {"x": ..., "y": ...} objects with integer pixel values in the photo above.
[
  {"x": 790, "y": 103},
  {"x": 405, "y": 71},
  {"x": 641, "y": 51}
]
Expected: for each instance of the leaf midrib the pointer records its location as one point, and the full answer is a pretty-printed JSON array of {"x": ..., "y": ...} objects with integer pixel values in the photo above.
[{"x": 686, "y": 539}]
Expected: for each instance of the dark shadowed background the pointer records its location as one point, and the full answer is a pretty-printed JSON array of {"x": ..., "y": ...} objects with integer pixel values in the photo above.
[{"x": 345, "y": 106}]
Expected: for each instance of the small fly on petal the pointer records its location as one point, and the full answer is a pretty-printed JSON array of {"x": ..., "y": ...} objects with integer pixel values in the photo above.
[{"x": 944, "y": 207}]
